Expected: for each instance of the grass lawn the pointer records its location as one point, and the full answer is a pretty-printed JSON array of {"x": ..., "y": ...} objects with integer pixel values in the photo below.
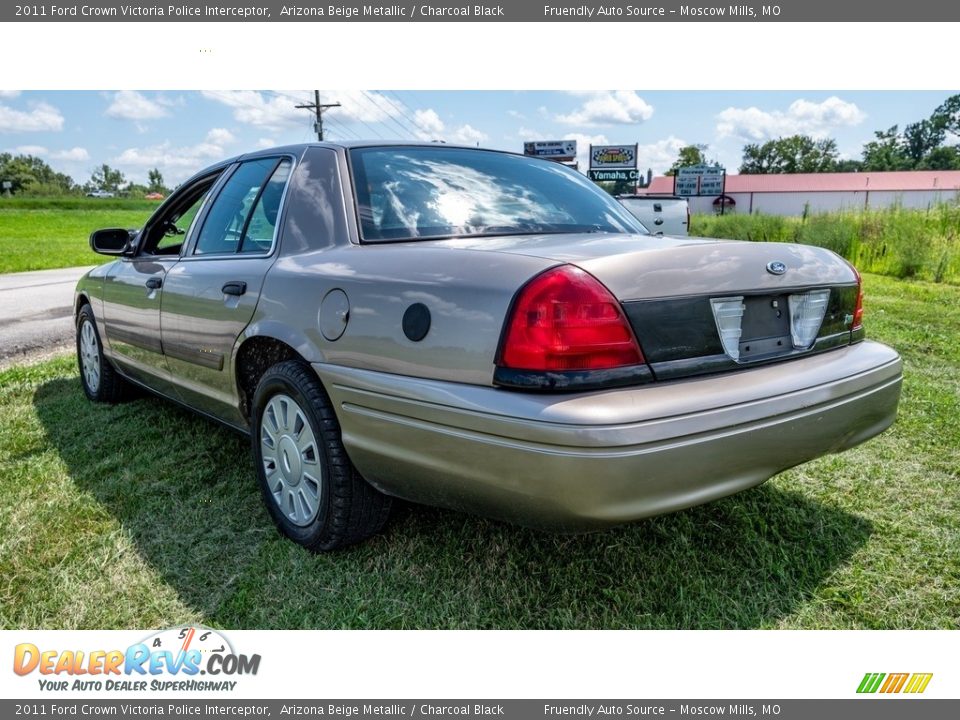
[
  {"x": 37, "y": 234},
  {"x": 142, "y": 515}
]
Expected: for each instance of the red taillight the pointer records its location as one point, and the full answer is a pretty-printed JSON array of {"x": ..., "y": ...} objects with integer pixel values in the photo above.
[
  {"x": 564, "y": 319},
  {"x": 858, "y": 308}
]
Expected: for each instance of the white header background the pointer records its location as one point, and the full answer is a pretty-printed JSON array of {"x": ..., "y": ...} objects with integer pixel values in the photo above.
[
  {"x": 565, "y": 56},
  {"x": 462, "y": 55}
]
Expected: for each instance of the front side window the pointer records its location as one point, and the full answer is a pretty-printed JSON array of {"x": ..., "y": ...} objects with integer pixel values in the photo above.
[
  {"x": 244, "y": 215},
  {"x": 433, "y": 192}
]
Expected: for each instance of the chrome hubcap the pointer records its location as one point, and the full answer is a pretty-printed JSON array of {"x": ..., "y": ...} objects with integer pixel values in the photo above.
[
  {"x": 291, "y": 459},
  {"x": 90, "y": 356}
]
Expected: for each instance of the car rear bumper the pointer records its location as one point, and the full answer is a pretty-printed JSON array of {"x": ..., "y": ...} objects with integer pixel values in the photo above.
[{"x": 592, "y": 459}]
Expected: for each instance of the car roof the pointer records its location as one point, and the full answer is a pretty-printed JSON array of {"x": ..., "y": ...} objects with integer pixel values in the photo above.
[
  {"x": 299, "y": 148},
  {"x": 352, "y": 144}
]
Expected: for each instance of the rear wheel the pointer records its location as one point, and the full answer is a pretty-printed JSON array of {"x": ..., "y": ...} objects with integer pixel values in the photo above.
[
  {"x": 101, "y": 383},
  {"x": 314, "y": 494}
]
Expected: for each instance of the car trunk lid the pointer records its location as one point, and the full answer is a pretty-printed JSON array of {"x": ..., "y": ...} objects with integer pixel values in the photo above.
[{"x": 701, "y": 305}]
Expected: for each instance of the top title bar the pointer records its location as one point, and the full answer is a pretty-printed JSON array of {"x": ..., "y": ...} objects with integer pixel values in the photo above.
[{"x": 507, "y": 11}]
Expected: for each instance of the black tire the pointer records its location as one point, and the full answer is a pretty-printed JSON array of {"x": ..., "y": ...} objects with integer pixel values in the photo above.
[
  {"x": 350, "y": 510},
  {"x": 110, "y": 387}
]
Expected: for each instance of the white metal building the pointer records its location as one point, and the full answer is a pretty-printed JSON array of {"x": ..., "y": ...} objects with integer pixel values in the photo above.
[{"x": 823, "y": 192}]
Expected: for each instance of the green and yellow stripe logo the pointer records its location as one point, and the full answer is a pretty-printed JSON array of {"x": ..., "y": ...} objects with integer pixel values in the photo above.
[{"x": 894, "y": 683}]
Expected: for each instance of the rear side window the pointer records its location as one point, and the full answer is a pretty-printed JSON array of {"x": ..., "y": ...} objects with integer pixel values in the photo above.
[
  {"x": 422, "y": 192},
  {"x": 258, "y": 237},
  {"x": 244, "y": 215}
]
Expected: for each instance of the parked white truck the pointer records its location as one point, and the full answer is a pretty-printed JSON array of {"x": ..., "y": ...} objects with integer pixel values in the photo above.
[{"x": 660, "y": 214}]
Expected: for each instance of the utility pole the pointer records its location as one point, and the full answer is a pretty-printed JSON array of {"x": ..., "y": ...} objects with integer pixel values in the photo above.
[{"x": 319, "y": 110}]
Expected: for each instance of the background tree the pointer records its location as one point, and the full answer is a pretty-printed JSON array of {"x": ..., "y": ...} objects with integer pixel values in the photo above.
[
  {"x": 947, "y": 115},
  {"x": 946, "y": 157},
  {"x": 794, "y": 154},
  {"x": 848, "y": 165},
  {"x": 31, "y": 175},
  {"x": 689, "y": 155},
  {"x": 155, "y": 182},
  {"x": 887, "y": 152},
  {"x": 106, "y": 178},
  {"x": 921, "y": 138}
]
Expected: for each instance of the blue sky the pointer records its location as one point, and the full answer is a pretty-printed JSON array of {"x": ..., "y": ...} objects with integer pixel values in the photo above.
[{"x": 181, "y": 132}]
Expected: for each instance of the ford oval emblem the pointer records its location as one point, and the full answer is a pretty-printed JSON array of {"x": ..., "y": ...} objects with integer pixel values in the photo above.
[{"x": 776, "y": 267}]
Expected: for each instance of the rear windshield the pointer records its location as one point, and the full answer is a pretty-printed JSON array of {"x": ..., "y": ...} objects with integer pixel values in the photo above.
[{"x": 436, "y": 192}]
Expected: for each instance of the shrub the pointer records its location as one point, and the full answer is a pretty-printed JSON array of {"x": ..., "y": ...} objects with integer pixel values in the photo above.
[{"x": 895, "y": 241}]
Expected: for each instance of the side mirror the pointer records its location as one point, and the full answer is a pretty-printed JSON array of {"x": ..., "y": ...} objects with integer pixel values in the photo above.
[{"x": 112, "y": 241}]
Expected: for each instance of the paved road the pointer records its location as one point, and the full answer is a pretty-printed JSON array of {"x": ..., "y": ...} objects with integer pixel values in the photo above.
[{"x": 36, "y": 312}]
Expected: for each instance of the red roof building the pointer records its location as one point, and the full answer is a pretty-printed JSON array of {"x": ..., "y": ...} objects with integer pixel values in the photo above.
[{"x": 821, "y": 192}]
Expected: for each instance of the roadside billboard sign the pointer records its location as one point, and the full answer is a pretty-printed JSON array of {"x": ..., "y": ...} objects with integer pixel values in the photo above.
[
  {"x": 562, "y": 150},
  {"x": 699, "y": 180},
  {"x": 614, "y": 175},
  {"x": 613, "y": 157}
]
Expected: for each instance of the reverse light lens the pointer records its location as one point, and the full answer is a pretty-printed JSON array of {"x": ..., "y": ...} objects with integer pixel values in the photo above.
[
  {"x": 728, "y": 315},
  {"x": 565, "y": 319},
  {"x": 806, "y": 316}
]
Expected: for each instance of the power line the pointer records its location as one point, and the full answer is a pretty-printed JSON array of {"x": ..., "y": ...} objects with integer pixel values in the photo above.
[
  {"x": 378, "y": 109},
  {"x": 342, "y": 129},
  {"x": 405, "y": 129},
  {"x": 319, "y": 108},
  {"x": 413, "y": 114}
]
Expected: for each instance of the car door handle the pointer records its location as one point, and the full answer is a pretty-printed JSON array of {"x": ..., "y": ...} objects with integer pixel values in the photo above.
[
  {"x": 234, "y": 287},
  {"x": 154, "y": 283}
]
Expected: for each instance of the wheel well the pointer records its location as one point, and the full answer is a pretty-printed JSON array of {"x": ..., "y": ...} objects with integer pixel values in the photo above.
[
  {"x": 254, "y": 358},
  {"x": 81, "y": 301}
]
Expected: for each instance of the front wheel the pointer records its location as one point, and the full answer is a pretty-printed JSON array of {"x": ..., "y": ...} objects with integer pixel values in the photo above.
[
  {"x": 101, "y": 383},
  {"x": 314, "y": 494}
]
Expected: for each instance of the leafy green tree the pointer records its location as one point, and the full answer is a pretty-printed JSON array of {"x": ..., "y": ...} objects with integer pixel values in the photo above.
[
  {"x": 848, "y": 165},
  {"x": 947, "y": 115},
  {"x": 106, "y": 178},
  {"x": 921, "y": 138},
  {"x": 887, "y": 152},
  {"x": 794, "y": 154},
  {"x": 946, "y": 157},
  {"x": 155, "y": 182},
  {"x": 31, "y": 175},
  {"x": 689, "y": 155}
]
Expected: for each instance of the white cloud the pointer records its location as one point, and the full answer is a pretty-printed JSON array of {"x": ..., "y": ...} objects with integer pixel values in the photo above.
[
  {"x": 77, "y": 154},
  {"x": 467, "y": 135},
  {"x": 583, "y": 146},
  {"x": 622, "y": 107},
  {"x": 277, "y": 111},
  {"x": 30, "y": 150},
  {"x": 175, "y": 162},
  {"x": 131, "y": 105},
  {"x": 220, "y": 136},
  {"x": 660, "y": 155},
  {"x": 516, "y": 114},
  {"x": 253, "y": 108},
  {"x": 9, "y": 93},
  {"x": 40, "y": 118},
  {"x": 802, "y": 117},
  {"x": 429, "y": 122},
  {"x": 525, "y": 133},
  {"x": 266, "y": 143}
]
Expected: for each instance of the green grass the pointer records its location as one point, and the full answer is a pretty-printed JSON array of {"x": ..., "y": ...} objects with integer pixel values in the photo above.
[
  {"x": 923, "y": 244},
  {"x": 42, "y": 233},
  {"x": 143, "y": 515}
]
